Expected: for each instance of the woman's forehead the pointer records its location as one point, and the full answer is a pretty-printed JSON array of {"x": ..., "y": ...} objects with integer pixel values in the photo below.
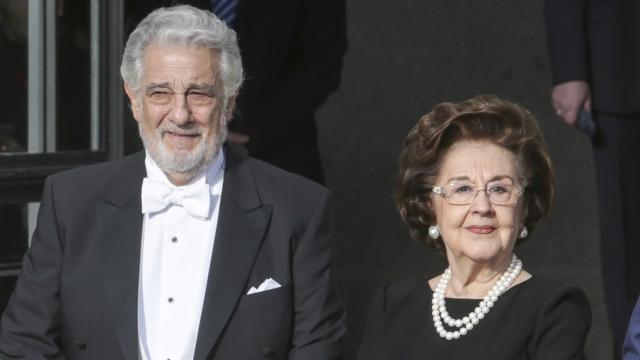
[{"x": 478, "y": 159}]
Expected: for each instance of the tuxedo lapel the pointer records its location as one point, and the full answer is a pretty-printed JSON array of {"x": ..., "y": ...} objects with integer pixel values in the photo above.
[
  {"x": 242, "y": 223},
  {"x": 119, "y": 218}
]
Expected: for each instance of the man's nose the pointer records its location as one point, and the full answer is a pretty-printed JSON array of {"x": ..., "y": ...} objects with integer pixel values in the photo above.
[{"x": 181, "y": 111}]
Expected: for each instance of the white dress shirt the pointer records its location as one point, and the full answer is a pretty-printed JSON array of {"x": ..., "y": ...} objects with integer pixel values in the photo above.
[{"x": 174, "y": 267}]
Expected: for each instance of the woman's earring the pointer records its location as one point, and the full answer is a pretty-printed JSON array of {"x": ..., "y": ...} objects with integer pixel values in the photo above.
[
  {"x": 434, "y": 232},
  {"x": 523, "y": 232}
]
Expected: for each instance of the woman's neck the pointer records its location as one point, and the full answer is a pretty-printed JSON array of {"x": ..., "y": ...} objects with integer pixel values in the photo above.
[{"x": 473, "y": 279}]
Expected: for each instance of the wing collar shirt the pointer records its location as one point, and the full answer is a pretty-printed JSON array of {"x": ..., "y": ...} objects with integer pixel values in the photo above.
[{"x": 174, "y": 265}]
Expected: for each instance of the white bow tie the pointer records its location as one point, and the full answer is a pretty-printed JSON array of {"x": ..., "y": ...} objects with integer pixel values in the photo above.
[{"x": 157, "y": 196}]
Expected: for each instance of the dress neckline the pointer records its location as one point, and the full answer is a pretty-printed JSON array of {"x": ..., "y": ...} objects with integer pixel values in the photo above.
[{"x": 511, "y": 290}]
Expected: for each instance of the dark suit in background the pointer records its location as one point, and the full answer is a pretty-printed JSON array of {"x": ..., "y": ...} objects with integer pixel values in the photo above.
[
  {"x": 292, "y": 55},
  {"x": 77, "y": 295},
  {"x": 598, "y": 41},
  {"x": 631, "y": 348}
]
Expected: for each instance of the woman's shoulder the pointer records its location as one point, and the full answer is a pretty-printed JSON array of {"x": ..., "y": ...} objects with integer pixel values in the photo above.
[
  {"x": 547, "y": 289},
  {"x": 395, "y": 308},
  {"x": 400, "y": 293},
  {"x": 406, "y": 287},
  {"x": 560, "y": 317},
  {"x": 554, "y": 298}
]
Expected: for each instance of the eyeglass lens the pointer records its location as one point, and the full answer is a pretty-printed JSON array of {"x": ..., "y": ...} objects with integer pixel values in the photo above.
[{"x": 498, "y": 193}]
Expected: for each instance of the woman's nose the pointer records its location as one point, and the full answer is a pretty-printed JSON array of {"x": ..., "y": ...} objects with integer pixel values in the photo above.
[{"x": 481, "y": 204}]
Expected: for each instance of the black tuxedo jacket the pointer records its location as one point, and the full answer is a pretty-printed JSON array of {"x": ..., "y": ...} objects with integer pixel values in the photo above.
[
  {"x": 292, "y": 56},
  {"x": 76, "y": 297},
  {"x": 597, "y": 41}
]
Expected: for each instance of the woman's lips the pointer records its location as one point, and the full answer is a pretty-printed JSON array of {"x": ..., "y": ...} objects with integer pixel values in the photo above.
[{"x": 486, "y": 229}]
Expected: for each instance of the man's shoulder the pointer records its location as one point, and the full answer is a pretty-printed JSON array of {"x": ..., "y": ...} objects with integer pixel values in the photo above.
[
  {"x": 271, "y": 178},
  {"x": 253, "y": 182},
  {"x": 99, "y": 176},
  {"x": 268, "y": 174},
  {"x": 102, "y": 169}
]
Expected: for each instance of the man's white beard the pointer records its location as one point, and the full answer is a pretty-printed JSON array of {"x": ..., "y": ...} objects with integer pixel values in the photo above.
[{"x": 187, "y": 164}]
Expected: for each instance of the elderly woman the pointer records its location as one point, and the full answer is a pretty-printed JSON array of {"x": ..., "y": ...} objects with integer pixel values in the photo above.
[{"x": 475, "y": 179}]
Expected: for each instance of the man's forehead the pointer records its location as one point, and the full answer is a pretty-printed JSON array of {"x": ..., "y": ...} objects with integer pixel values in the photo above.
[
  {"x": 173, "y": 65},
  {"x": 156, "y": 47}
]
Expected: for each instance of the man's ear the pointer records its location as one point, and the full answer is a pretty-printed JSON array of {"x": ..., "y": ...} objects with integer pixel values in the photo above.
[
  {"x": 134, "y": 100},
  {"x": 231, "y": 105}
]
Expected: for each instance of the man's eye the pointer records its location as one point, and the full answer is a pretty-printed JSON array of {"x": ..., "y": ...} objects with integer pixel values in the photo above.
[
  {"x": 200, "y": 98},
  {"x": 159, "y": 94},
  {"x": 199, "y": 95}
]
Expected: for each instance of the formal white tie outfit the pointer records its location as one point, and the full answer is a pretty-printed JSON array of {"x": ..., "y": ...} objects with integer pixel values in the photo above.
[{"x": 178, "y": 232}]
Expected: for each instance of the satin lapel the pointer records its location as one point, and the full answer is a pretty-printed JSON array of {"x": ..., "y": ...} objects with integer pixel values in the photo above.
[
  {"x": 120, "y": 232},
  {"x": 241, "y": 227}
]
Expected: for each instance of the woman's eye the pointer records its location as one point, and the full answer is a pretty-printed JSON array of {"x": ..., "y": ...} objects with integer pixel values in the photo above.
[
  {"x": 462, "y": 189},
  {"x": 498, "y": 189}
]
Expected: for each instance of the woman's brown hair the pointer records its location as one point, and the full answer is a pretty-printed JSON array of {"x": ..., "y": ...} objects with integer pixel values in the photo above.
[{"x": 481, "y": 118}]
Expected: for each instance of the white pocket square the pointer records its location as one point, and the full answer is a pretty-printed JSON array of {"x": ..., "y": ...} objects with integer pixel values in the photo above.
[{"x": 268, "y": 284}]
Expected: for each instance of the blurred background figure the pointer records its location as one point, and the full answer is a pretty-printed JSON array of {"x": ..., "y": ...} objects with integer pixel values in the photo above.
[
  {"x": 72, "y": 73},
  {"x": 595, "y": 58},
  {"x": 631, "y": 346},
  {"x": 292, "y": 52},
  {"x": 71, "y": 44},
  {"x": 475, "y": 179},
  {"x": 13, "y": 128},
  {"x": 13, "y": 75}
]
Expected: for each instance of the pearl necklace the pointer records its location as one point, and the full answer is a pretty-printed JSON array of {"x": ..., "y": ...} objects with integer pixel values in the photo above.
[{"x": 466, "y": 324}]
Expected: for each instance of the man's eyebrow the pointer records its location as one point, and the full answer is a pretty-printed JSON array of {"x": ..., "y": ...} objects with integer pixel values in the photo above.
[
  {"x": 205, "y": 87},
  {"x": 208, "y": 88},
  {"x": 154, "y": 86}
]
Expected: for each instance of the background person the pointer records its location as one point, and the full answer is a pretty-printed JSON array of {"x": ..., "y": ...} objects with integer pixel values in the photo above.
[
  {"x": 631, "y": 347},
  {"x": 595, "y": 65}
]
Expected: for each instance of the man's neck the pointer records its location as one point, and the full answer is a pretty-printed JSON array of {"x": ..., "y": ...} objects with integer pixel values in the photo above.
[
  {"x": 179, "y": 179},
  {"x": 206, "y": 171}
]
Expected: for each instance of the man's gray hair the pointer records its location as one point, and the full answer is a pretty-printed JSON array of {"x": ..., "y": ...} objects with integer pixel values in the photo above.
[{"x": 183, "y": 25}]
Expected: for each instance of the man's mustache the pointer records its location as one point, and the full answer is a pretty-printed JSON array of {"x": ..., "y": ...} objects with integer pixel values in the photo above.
[{"x": 190, "y": 131}]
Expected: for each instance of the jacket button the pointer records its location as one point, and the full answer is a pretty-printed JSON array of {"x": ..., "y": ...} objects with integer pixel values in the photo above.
[
  {"x": 81, "y": 345},
  {"x": 267, "y": 351}
]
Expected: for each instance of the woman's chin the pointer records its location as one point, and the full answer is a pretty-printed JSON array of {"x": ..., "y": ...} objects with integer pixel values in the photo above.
[{"x": 484, "y": 254}]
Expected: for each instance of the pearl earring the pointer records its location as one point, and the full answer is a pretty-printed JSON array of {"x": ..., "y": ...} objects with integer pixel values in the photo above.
[
  {"x": 523, "y": 232},
  {"x": 434, "y": 232}
]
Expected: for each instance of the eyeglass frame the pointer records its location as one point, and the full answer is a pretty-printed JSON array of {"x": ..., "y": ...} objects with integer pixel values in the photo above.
[{"x": 439, "y": 190}]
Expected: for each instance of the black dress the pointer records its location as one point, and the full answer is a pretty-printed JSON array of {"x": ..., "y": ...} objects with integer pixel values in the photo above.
[{"x": 536, "y": 319}]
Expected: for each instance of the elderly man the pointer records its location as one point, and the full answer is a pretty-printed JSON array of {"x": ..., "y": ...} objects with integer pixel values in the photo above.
[{"x": 187, "y": 250}]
